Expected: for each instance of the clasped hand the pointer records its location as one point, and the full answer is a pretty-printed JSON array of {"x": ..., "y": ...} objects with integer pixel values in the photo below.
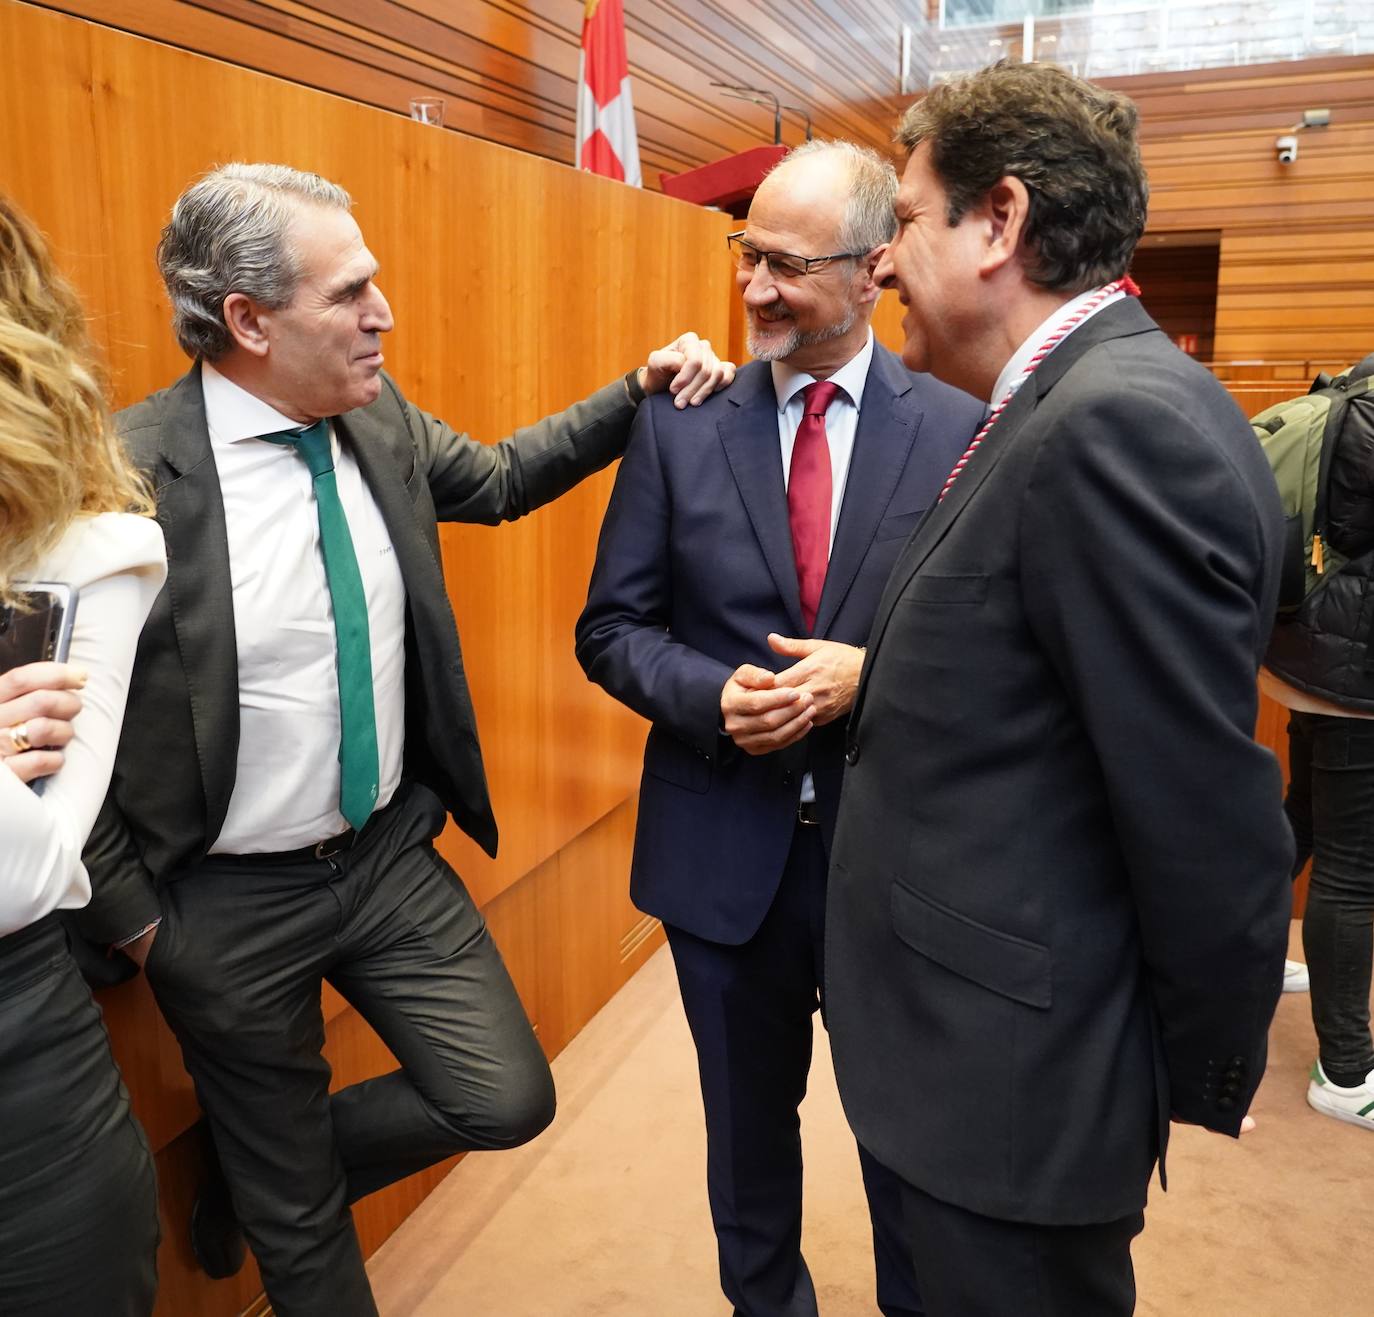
[{"x": 763, "y": 711}]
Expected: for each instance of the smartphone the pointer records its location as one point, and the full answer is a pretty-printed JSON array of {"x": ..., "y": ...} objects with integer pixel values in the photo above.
[{"x": 38, "y": 630}]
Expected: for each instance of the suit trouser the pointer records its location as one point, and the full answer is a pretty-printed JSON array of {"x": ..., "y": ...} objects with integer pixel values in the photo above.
[
  {"x": 979, "y": 1266},
  {"x": 1330, "y": 804},
  {"x": 750, "y": 1011},
  {"x": 78, "y": 1200},
  {"x": 237, "y": 967}
]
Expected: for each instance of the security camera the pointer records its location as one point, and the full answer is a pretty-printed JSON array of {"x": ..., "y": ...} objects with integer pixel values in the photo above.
[{"x": 1287, "y": 148}]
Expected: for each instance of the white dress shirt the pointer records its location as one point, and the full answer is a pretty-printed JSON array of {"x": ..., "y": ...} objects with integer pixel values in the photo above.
[
  {"x": 841, "y": 419},
  {"x": 286, "y": 783},
  {"x": 841, "y": 425},
  {"x": 1012, "y": 377}
]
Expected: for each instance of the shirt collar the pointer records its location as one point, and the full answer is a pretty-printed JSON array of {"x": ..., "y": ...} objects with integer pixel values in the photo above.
[
  {"x": 851, "y": 377},
  {"x": 234, "y": 414},
  {"x": 1012, "y": 376}
]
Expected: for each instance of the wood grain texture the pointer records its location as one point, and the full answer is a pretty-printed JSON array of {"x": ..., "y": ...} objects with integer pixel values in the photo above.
[
  {"x": 507, "y": 69},
  {"x": 1296, "y": 276},
  {"x": 506, "y": 309}
]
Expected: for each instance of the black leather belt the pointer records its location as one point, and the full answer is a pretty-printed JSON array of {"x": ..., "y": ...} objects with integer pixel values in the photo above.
[
  {"x": 808, "y": 813},
  {"x": 321, "y": 850}
]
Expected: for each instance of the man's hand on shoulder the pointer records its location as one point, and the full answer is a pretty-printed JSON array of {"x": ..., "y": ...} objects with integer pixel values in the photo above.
[
  {"x": 761, "y": 716},
  {"x": 826, "y": 670},
  {"x": 688, "y": 369}
]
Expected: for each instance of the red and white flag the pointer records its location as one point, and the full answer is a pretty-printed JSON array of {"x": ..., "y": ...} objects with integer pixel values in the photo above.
[{"x": 606, "y": 141}]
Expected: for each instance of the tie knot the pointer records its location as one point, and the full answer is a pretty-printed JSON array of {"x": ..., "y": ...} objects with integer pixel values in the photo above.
[
  {"x": 817, "y": 397},
  {"x": 312, "y": 444}
]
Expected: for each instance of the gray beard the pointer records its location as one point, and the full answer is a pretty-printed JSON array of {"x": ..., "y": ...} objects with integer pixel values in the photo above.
[{"x": 796, "y": 339}]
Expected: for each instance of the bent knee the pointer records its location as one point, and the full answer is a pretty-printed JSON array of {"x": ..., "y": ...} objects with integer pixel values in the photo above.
[
  {"x": 526, "y": 1109},
  {"x": 517, "y": 1105}
]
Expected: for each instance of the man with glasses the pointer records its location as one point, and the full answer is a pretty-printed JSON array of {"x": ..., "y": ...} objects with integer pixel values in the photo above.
[{"x": 775, "y": 510}]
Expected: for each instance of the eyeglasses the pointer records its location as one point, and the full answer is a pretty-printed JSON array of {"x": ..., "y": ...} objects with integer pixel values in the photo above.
[{"x": 782, "y": 265}]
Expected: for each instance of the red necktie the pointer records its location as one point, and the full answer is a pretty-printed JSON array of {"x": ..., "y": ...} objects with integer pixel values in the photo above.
[{"x": 808, "y": 497}]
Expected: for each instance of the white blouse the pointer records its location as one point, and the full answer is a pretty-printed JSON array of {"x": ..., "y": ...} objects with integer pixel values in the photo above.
[{"x": 118, "y": 562}]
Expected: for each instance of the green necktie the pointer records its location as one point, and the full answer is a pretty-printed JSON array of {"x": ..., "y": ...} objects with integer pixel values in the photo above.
[{"x": 357, "y": 716}]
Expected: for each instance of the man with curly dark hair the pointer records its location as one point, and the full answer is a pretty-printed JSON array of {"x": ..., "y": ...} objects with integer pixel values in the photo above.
[{"x": 1059, "y": 889}]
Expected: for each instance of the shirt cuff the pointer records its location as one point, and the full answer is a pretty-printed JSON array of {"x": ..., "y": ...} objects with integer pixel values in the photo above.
[
  {"x": 634, "y": 390},
  {"x": 133, "y": 937}
]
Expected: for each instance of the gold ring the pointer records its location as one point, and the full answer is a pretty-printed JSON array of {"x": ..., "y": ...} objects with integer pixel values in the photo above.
[{"x": 19, "y": 737}]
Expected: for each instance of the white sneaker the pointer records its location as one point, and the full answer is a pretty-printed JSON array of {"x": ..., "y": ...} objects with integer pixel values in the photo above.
[
  {"x": 1295, "y": 978},
  {"x": 1354, "y": 1105}
]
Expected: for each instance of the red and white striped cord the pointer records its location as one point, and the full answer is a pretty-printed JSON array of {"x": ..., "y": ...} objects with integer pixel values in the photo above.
[{"x": 1126, "y": 284}]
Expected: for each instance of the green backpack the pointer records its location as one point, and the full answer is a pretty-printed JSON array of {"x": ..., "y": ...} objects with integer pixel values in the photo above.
[{"x": 1298, "y": 438}]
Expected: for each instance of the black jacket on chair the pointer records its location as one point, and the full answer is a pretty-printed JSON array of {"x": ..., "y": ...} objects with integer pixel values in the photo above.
[{"x": 1059, "y": 898}]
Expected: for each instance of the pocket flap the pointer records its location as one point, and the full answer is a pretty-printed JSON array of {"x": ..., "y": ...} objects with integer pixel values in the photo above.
[
  {"x": 1004, "y": 964},
  {"x": 898, "y": 525},
  {"x": 928, "y": 588}
]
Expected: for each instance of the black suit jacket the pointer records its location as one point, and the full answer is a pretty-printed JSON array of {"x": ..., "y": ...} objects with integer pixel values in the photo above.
[
  {"x": 1059, "y": 898},
  {"x": 694, "y": 569},
  {"x": 174, "y": 771}
]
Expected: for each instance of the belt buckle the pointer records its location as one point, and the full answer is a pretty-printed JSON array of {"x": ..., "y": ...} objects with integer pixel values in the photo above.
[
  {"x": 332, "y": 846},
  {"x": 806, "y": 813}
]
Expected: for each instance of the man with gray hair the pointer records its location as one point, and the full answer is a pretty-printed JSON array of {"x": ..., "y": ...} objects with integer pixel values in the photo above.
[
  {"x": 299, "y": 727},
  {"x": 774, "y": 511}
]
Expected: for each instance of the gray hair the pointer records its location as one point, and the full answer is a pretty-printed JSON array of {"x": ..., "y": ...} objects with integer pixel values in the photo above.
[
  {"x": 868, "y": 218},
  {"x": 227, "y": 234}
]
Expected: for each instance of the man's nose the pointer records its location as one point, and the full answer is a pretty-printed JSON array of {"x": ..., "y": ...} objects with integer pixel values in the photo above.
[
  {"x": 884, "y": 273},
  {"x": 377, "y": 315},
  {"x": 760, "y": 287}
]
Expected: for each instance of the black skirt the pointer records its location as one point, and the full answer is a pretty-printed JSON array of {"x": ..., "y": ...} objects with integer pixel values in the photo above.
[{"x": 78, "y": 1199}]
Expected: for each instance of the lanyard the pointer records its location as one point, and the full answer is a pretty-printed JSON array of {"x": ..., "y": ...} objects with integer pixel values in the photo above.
[{"x": 1043, "y": 351}]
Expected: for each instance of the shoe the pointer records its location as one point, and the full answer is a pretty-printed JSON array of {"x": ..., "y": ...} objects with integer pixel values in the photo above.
[
  {"x": 1353, "y": 1105},
  {"x": 216, "y": 1237},
  {"x": 1295, "y": 976}
]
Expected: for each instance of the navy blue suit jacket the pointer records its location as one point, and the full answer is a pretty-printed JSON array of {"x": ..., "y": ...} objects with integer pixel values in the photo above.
[{"x": 693, "y": 570}]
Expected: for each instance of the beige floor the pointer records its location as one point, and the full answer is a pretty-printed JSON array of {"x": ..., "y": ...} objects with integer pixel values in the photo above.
[{"x": 605, "y": 1216}]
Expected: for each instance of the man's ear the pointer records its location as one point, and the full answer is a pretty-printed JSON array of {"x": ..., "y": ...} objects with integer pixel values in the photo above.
[
  {"x": 872, "y": 289},
  {"x": 243, "y": 317},
  {"x": 1006, "y": 209}
]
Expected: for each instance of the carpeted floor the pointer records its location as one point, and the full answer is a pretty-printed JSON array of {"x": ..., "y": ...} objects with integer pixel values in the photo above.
[{"x": 605, "y": 1216}]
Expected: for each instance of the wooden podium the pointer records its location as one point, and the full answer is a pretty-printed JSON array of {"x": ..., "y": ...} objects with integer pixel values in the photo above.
[{"x": 727, "y": 184}]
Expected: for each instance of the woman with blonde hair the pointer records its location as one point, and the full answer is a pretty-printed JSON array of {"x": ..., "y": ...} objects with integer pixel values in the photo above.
[{"x": 78, "y": 1205}]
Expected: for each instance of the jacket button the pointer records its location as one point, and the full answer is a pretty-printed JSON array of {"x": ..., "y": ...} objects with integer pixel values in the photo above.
[
  {"x": 1226, "y": 1104},
  {"x": 851, "y": 754},
  {"x": 789, "y": 778}
]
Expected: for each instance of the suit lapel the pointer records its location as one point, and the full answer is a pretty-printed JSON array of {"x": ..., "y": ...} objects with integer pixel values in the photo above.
[
  {"x": 749, "y": 433},
  {"x": 888, "y": 421},
  {"x": 1120, "y": 320},
  {"x": 383, "y": 455},
  {"x": 190, "y": 510}
]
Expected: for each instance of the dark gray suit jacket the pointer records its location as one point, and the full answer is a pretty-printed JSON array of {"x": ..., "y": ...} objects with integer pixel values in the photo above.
[
  {"x": 174, "y": 771},
  {"x": 1059, "y": 898}
]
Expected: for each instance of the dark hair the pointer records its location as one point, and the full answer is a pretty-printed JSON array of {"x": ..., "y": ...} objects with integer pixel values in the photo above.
[{"x": 1072, "y": 144}]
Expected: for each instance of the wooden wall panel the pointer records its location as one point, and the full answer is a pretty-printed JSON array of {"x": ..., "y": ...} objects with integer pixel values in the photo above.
[
  {"x": 505, "y": 311},
  {"x": 1296, "y": 279},
  {"x": 508, "y": 68}
]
